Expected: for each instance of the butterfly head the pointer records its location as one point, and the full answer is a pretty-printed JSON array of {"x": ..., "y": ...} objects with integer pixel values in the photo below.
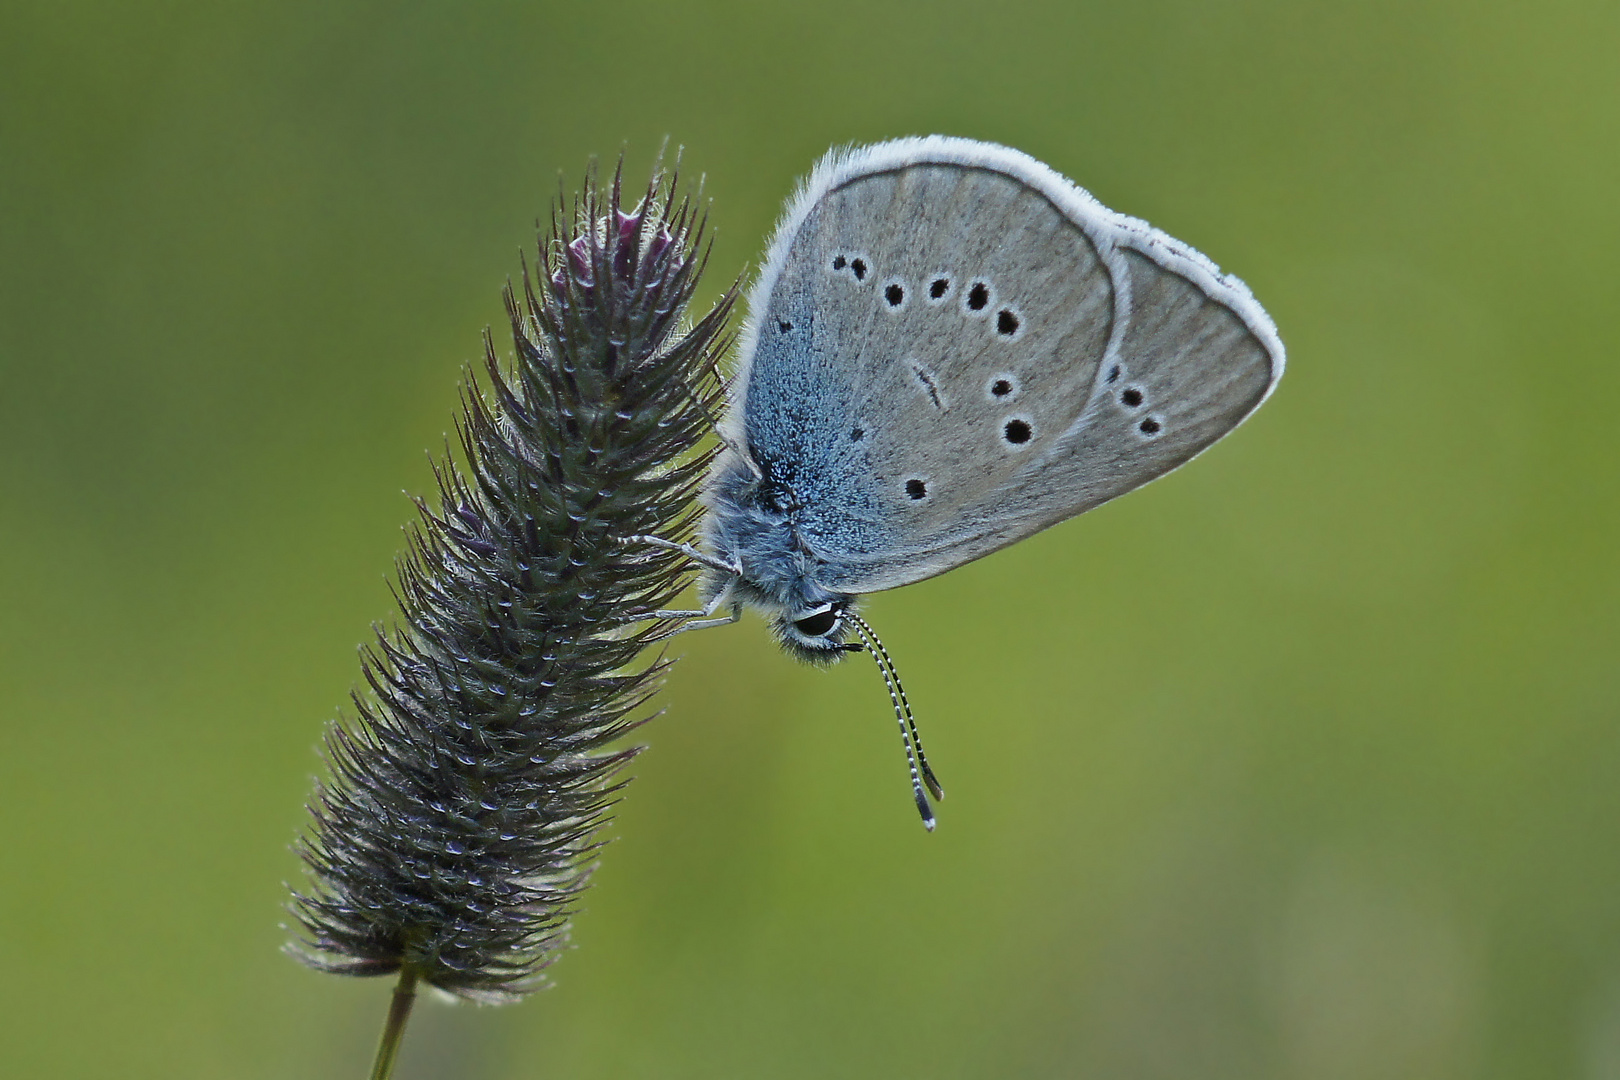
[{"x": 815, "y": 633}]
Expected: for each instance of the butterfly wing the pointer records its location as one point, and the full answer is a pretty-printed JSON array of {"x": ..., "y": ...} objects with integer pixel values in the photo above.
[{"x": 952, "y": 347}]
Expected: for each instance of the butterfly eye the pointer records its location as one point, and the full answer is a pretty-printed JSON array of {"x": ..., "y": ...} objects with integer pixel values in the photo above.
[{"x": 817, "y": 624}]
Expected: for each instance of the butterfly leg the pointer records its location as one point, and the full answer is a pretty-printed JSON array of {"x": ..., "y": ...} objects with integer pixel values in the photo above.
[
  {"x": 694, "y": 622},
  {"x": 693, "y": 619},
  {"x": 700, "y": 557}
]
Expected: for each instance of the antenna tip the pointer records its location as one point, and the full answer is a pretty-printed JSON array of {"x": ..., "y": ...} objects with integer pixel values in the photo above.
[{"x": 926, "y": 811}]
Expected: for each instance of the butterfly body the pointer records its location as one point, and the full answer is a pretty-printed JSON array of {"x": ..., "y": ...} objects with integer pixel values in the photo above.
[{"x": 951, "y": 347}]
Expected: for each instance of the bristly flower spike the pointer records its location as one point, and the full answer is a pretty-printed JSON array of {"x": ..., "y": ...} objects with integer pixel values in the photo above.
[{"x": 466, "y": 796}]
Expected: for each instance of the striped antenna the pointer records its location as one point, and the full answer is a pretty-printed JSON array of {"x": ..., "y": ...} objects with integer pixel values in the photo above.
[{"x": 916, "y": 760}]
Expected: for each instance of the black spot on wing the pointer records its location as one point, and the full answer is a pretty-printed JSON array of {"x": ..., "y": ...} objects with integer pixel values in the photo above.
[{"x": 1017, "y": 431}]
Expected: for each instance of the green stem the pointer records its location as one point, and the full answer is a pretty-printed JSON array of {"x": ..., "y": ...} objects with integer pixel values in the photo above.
[{"x": 399, "y": 1011}]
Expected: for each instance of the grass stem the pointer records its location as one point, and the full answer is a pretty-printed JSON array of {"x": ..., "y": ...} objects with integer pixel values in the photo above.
[{"x": 399, "y": 1011}]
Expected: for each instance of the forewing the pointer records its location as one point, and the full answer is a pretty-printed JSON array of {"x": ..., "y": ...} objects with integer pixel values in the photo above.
[{"x": 957, "y": 348}]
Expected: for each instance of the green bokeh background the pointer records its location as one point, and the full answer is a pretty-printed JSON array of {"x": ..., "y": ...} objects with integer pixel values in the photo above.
[{"x": 1301, "y": 763}]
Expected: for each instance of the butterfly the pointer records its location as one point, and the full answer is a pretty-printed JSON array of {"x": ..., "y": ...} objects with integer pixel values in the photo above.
[{"x": 951, "y": 347}]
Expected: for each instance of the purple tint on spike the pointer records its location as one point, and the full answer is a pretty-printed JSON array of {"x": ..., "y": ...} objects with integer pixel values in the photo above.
[
  {"x": 629, "y": 224},
  {"x": 659, "y": 245},
  {"x": 579, "y": 260},
  {"x": 624, "y": 251}
]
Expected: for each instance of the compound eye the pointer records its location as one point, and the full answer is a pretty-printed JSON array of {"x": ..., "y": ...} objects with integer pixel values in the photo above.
[{"x": 817, "y": 624}]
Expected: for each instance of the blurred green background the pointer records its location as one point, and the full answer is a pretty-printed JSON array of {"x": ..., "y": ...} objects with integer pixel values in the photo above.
[{"x": 1301, "y": 763}]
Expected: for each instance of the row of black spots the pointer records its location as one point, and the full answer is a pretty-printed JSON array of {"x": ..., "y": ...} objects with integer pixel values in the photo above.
[
  {"x": 1133, "y": 398},
  {"x": 894, "y": 294},
  {"x": 976, "y": 303}
]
